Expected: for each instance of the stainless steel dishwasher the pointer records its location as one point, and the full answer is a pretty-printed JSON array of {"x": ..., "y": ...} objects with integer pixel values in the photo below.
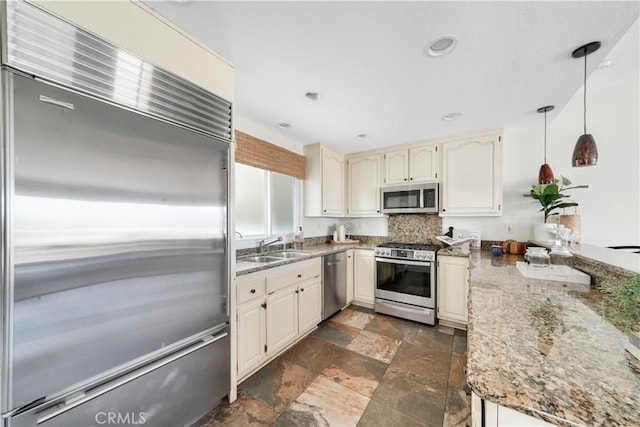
[{"x": 334, "y": 283}]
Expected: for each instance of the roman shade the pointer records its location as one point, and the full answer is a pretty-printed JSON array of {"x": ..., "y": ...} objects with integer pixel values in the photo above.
[{"x": 264, "y": 155}]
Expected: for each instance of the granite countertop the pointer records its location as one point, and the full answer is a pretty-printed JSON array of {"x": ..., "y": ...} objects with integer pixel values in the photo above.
[
  {"x": 535, "y": 347},
  {"x": 612, "y": 258},
  {"x": 246, "y": 267}
]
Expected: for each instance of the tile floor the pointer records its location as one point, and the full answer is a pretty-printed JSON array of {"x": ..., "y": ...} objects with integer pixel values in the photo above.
[{"x": 359, "y": 368}]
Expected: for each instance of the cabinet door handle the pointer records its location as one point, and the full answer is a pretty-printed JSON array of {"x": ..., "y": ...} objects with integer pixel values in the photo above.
[
  {"x": 264, "y": 305},
  {"x": 301, "y": 289},
  {"x": 405, "y": 179},
  {"x": 299, "y": 276},
  {"x": 253, "y": 291},
  {"x": 297, "y": 291},
  {"x": 378, "y": 211},
  {"x": 411, "y": 179}
]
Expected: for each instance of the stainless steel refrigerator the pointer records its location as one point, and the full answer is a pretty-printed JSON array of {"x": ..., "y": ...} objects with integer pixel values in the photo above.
[{"x": 114, "y": 256}]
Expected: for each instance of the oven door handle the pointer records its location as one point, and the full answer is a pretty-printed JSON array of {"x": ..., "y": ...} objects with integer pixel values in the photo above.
[{"x": 404, "y": 262}]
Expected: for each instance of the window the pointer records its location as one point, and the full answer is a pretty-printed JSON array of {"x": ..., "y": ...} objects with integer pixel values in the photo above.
[{"x": 265, "y": 202}]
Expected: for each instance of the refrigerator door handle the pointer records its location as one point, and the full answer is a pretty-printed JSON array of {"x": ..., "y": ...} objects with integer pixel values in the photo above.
[{"x": 83, "y": 398}]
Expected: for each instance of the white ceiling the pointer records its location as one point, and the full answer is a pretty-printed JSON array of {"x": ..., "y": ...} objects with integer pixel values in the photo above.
[{"x": 366, "y": 60}]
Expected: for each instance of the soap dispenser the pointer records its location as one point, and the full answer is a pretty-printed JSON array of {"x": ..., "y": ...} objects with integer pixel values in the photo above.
[{"x": 298, "y": 239}]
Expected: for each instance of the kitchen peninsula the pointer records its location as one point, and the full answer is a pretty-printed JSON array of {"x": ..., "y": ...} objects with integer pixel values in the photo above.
[{"x": 535, "y": 347}]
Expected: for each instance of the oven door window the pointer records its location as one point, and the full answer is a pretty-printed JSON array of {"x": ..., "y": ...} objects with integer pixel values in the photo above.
[
  {"x": 404, "y": 278},
  {"x": 401, "y": 199}
]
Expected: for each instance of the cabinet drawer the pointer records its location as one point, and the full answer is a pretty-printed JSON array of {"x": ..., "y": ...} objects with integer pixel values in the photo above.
[
  {"x": 251, "y": 290},
  {"x": 296, "y": 273}
]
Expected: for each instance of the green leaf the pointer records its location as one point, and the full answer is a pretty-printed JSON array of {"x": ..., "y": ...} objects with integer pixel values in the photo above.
[
  {"x": 576, "y": 186},
  {"x": 566, "y": 181}
]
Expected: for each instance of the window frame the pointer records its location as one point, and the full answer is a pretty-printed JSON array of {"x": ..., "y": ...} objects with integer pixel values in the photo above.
[{"x": 250, "y": 241}]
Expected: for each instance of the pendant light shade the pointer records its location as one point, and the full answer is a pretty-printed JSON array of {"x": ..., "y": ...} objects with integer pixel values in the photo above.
[
  {"x": 545, "y": 175},
  {"x": 585, "y": 153}
]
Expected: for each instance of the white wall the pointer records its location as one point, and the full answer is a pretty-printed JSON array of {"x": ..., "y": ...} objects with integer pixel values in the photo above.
[
  {"x": 610, "y": 208},
  {"x": 270, "y": 135}
]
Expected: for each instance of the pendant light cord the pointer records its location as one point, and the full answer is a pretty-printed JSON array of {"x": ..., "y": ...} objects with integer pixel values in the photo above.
[
  {"x": 545, "y": 135},
  {"x": 585, "y": 91}
]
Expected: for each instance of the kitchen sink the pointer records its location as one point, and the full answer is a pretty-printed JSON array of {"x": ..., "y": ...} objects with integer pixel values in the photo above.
[
  {"x": 289, "y": 254},
  {"x": 260, "y": 259}
]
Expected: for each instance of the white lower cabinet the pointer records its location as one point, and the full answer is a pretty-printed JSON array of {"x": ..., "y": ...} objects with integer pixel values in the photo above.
[
  {"x": 309, "y": 305},
  {"x": 282, "y": 319},
  {"x": 364, "y": 276},
  {"x": 350, "y": 261},
  {"x": 275, "y": 308},
  {"x": 489, "y": 414},
  {"x": 453, "y": 287},
  {"x": 252, "y": 320}
]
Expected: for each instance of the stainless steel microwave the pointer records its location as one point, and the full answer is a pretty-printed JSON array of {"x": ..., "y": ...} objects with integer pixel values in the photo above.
[{"x": 413, "y": 198}]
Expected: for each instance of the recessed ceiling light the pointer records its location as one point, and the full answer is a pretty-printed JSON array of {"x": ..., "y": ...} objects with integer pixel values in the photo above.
[
  {"x": 441, "y": 46},
  {"x": 451, "y": 116},
  {"x": 312, "y": 95},
  {"x": 605, "y": 64},
  {"x": 361, "y": 136},
  {"x": 284, "y": 125}
]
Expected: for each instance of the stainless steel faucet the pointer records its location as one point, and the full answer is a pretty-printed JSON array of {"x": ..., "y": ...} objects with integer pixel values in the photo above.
[{"x": 264, "y": 244}]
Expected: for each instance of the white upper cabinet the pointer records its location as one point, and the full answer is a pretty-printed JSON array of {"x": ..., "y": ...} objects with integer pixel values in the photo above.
[
  {"x": 396, "y": 167},
  {"x": 471, "y": 182},
  {"x": 411, "y": 165},
  {"x": 324, "y": 182},
  {"x": 364, "y": 185},
  {"x": 423, "y": 163}
]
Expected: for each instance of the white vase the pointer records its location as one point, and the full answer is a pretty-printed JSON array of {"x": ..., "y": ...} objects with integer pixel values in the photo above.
[{"x": 545, "y": 232}]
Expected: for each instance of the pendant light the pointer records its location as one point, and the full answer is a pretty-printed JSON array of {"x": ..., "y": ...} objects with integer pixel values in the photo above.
[
  {"x": 545, "y": 176},
  {"x": 585, "y": 153}
]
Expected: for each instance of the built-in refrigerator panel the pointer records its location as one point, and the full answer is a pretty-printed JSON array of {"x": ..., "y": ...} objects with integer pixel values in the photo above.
[
  {"x": 119, "y": 247},
  {"x": 169, "y": 393}
]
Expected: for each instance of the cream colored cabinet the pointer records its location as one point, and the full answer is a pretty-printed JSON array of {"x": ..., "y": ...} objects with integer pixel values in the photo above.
[
  {"x": 364, "y": 276},
  {"x": 275, "y": 308},
  {"x": 324, "y": 182},
  {"x": 471, "y": 182},
  {"x": 309, "y": 304},
  {"x": 282, "y": 319},
  {"x": 364, "y": 185},
  {"x": 411, "y": 165},
  {"x": 453, "y": 287},
  {"x": 396, "y": 167},
  {"x": 350, "y": 258},
  {"x": 252, "y": 321},
  {"x": 489, "y": 414}
]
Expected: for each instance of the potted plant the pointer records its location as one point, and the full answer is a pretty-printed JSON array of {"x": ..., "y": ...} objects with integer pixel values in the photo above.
[{"x": 553, "y": 199}]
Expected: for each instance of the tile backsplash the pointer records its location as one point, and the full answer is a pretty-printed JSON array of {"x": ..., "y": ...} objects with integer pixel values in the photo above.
[{"x": 415, "y": 228}]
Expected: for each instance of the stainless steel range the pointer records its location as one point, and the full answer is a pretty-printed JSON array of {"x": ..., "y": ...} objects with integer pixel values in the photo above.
[{"x": 406, "y": 281}]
